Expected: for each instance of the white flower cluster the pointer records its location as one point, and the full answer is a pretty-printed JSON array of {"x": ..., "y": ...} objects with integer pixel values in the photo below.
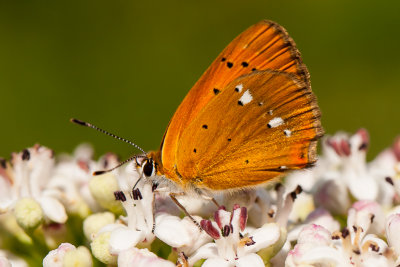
[{"x": 342, "y": 212}]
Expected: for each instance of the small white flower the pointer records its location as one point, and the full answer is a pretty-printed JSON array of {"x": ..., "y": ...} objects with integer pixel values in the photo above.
[
  {"x": 368, "y": 215},
  {"x": 344, "y": 163},
  {"x": 319, "y": 217},
  {"x": 138, "y": 224},
  {"x": 73, "y": 180},
  {"x": 314, "y": 249},
  {"x": 317, "y": 246},
  {"x": 28, "y": 178},
  {"x": 231, "y": 248}
]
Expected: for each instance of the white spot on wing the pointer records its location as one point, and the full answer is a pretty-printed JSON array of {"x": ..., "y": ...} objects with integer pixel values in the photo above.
[
  {"x": 275, "y": 122},
  {"x": 270, "y": 112},
  {"x": 246, "y": 97},
  {"x": 239, "y": 88},
  {"x": 287, "y": 132}
]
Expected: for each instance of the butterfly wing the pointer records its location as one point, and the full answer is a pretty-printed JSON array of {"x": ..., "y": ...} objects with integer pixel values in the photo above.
[
  {"x": 265, "y": 45},
  {"x": 260, "y": 125}
]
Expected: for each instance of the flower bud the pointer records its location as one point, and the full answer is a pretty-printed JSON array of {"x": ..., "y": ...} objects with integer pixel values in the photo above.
[
  {"x": 102, "y": 188},
  {"x": 100, "y": 248},
  {"x": 78, "y": 257},
  {"x": 93, "y": 223},
  {"x": 28, "y": 213}
]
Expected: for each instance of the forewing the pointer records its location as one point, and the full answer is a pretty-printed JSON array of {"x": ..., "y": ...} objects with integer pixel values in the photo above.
[
  {"x": 260, "y": 125},
  {"x": 265, "y": 45}
]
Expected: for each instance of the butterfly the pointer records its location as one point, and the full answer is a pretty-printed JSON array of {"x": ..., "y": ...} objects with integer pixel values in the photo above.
[{"x": 250, "y": 118}]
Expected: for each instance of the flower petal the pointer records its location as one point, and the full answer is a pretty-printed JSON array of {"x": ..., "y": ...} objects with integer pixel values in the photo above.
[
  {"x": 218, "y": 262},
  {"x": 169, "y": 230},
  {"x": 180, "y": 233},
  {"x": 124, "y": 238},
  {"x": 207, "y": 251},
  {"x": 393, "y": 231},
  {"x": 308, "y": 254},
  {"x": 250, "y": 260},
  {"x": 263, "y": 237},
  {"x": 53, "y": 209},
  {"x": 141, "y": 258}
]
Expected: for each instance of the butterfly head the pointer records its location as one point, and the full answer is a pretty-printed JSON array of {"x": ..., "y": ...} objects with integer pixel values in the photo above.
[
  {"x": 149, "y": 165},
  {"x": 146, "y": 166}
]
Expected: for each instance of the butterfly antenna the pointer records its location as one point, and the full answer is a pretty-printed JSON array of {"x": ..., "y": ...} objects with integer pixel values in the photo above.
[
  {"x": 79, "y": 122},
  {"x": 119, "y": 165}
]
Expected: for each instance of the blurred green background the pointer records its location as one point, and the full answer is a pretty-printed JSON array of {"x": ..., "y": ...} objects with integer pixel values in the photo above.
[{"x": 126, "y": 65}]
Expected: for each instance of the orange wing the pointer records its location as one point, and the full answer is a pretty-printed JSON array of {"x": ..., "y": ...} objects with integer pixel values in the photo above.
[
  {"x": 260, "y": 125},
  {"x": 265, "y": 45}
]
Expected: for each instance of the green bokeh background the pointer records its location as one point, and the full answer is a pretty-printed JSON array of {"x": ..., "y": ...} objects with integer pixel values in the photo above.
[{"x": 126, "y": 65}]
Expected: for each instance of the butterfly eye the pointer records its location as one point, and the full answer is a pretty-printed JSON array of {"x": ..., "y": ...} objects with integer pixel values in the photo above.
[{"x": 148, "y": 168}]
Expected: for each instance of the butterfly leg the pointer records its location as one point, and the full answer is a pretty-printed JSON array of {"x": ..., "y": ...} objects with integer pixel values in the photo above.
[
  {"x": 173, "y": 197},
  {"x": 205, "y": 196}
]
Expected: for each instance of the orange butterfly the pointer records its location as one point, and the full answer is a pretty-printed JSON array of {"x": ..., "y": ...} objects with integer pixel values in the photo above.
[{"x": 251, "y": 117}]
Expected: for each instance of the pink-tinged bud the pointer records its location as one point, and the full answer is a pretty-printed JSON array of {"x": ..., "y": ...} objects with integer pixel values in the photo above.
[
  {"x": 332, "y": 143},
  {"x": 236, "y": 206},
  {"x": 363, "y": 133},
  {"x": 243, "y": 218},
  {"x": 83, "y": 165},
  {"x": 396, "y": 148},
  {"x": 368, "y": 205},
  {"x": 314, "y": 234},
  {"x": 207, "y": 226},
  {"x": 345, "y": 147}
]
